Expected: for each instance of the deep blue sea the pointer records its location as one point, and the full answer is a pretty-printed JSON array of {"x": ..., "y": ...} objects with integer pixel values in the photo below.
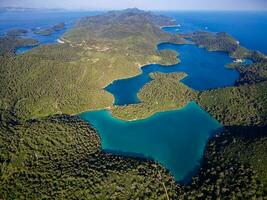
[{"x": 176, "y": 139}]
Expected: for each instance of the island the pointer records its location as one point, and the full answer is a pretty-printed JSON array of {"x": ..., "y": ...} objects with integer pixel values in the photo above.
[
  {"x": 9, "y": 44},
  {"x": 17, "y": 32},
  {"x": 49, "y": 31}
]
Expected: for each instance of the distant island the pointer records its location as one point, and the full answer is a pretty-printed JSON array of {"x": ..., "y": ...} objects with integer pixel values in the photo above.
[
  {"x": 17, "y": 32},
  {"x": 17, "y": 38},
  {"x": 49, "y": 31},
  {"x": 11, "y": 42}
]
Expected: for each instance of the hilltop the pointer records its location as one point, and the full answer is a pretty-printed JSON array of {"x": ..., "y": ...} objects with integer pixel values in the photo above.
[{"x": 69, "y": 78}]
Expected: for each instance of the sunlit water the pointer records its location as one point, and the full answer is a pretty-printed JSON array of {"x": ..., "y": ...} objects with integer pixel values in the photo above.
[
  {"x": 176, "y": 139},
  {"x": 205, "y": 70}
]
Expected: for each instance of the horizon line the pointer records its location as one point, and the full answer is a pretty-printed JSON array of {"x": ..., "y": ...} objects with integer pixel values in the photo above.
[{"x": 117, "y": 9}]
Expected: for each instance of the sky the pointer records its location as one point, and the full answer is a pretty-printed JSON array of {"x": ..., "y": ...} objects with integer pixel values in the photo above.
[{"x": 142, "y": 4}]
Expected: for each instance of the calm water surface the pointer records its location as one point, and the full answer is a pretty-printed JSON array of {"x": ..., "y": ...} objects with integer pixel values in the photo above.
[
  {"x": 176, "y": 139},
  {"x": 205, "y": 70}
]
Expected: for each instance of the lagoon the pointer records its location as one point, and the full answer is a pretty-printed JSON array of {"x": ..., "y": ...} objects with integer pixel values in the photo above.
[
  {"x": 176, "y": 139},
  {"x": 206, "y": 70}
]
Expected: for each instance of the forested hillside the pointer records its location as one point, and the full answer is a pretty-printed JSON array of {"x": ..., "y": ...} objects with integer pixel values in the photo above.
[
  {"x": 69, "y": 78},
  {"x": 48, "y": 153}
]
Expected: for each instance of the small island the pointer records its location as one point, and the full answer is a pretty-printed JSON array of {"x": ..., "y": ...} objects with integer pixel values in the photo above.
[
  {"x": 49, "y": 31},
  {"x": 9, "y": 44},
  {"x": 17, "y": 32}
]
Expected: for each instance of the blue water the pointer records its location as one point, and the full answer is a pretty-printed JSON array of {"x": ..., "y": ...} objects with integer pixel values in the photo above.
[
  {"x": 247, "y": 62},
  {"x": 167, "y": 137},
  {"x": 173, "y": 29},
  {"x": 248, "y": 27},
  {"x": 205, "y": 70},
  {"x": 176, "y": 139},
  {"x": 39, "y": 19}
]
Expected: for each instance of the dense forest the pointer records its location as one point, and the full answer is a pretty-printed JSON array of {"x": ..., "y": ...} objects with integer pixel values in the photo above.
[
  {"x": 60, "y": 157},
  {"x": 45, "y": 153},
  {"x": 69, "y": 78}
]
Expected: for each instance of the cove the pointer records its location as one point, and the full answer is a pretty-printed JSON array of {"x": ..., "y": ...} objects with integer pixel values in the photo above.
[
  {"x": 206, "y": 70},
  {"x": 176, "y": 139}
]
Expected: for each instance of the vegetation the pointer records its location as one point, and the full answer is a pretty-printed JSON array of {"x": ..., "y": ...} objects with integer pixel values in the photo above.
[
  {"x": 248, "y": 145},
  {"x": 44, "y": 32},
  {"x": 226, "y": 43},
  {"x": 59, "y": 26},
  {"x": 125, "y": 15},
  {"x": 234, "y": 167},
  {"x": 215, "y": 41},
  {"x": 60, "y": 158},
  {"x": 9, "y": 44},
  {"x": 69, "y": 78},
  {"x": 49, "y": 31},
  {"x": 244, "y": 105},
  {"x": 165, "y": 92},
  {"x": 242, "y": 109},
  {"x": 254, "y": 73},
  {"x": 17, "y": 32}
]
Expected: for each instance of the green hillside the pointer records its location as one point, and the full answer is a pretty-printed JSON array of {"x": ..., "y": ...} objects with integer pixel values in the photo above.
[
  {"x": 69, "y": 78},
  {"x": 60, "y": 158},
  {"x": 48, "y": 153},
  {"x": 165, "y": 92}
]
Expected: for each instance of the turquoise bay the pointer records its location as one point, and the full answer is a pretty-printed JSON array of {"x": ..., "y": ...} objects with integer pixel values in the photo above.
[{"x": 176, "y": 139}]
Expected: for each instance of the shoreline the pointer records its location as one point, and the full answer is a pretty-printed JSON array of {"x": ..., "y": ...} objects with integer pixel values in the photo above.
[
  {"x": 60, "y": 41},
  {"x": 145, "y": 65},
  {"x": 171, "y": 26}
]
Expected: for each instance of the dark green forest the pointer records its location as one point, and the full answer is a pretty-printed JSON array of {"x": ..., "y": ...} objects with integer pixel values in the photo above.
[{"x": 46, "y": 152}]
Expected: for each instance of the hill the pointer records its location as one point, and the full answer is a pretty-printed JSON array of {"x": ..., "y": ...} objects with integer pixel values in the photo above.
[{"x": 69, "y": 78}]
